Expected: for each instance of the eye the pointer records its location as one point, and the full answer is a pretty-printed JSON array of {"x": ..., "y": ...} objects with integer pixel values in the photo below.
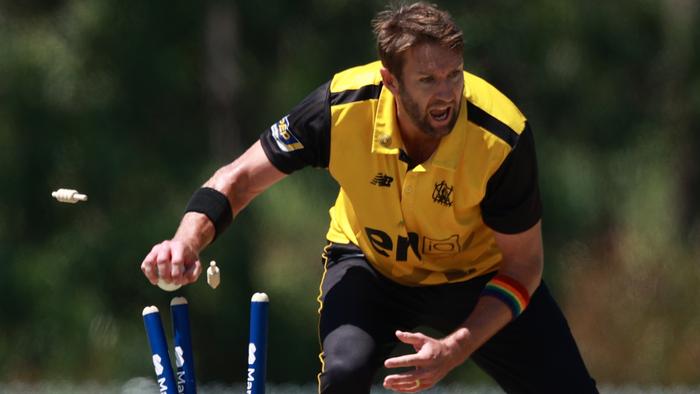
[
  {"x": 426, "y": 80},
  {"x": 455, "y": 75}
]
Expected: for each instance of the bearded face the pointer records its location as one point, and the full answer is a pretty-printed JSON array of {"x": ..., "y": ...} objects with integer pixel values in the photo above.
[{"x": 430, "y": 88}]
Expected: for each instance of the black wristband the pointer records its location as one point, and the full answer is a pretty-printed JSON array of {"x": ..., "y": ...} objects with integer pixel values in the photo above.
[{"x": 214, "y": 205}]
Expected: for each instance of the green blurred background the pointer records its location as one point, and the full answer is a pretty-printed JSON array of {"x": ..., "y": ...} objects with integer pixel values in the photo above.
[{"x": 136, "y": 103}]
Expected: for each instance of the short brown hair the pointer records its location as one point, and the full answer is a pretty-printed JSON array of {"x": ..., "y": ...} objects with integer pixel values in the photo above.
[{"x": 400, "y": 27}]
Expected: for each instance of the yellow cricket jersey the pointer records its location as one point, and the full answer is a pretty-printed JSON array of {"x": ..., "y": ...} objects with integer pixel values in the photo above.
[{"x": 418, "y": 225}]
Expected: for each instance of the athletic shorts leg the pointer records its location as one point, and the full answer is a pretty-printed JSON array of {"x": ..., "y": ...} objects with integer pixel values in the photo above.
[
  {"x": 536, "y": 353},
  {"x": 356, "y": 330}
]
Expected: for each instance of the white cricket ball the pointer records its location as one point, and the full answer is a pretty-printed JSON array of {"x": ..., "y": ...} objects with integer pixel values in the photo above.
[{"x": 167, "y": 286}]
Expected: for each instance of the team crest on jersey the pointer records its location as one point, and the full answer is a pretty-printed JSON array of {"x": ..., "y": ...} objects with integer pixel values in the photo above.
[
  {"x": 443, "y": 194},
  {"x": 285, "y": 139}
]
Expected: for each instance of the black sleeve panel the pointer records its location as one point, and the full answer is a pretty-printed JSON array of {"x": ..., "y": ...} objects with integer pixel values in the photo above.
[
  {"x": 303, "y": 137},
  {"x": 512, "y": 202}
]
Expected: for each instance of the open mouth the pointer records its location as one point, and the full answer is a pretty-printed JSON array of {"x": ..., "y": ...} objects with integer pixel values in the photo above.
[{"x": 440, "y": 114}]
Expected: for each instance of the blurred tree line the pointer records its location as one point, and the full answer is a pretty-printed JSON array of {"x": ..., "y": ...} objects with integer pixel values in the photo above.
[{"x": 137, "y": 103}]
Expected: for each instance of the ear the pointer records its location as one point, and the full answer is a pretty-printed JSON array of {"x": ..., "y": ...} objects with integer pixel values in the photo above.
[{"x": 390, "y": 81}]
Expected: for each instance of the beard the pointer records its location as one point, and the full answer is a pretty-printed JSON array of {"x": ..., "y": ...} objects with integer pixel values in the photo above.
[{"x": 421, "y": 119}]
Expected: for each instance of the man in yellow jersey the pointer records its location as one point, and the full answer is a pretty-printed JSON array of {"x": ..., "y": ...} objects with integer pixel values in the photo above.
[{"x": 437, "y": 222}]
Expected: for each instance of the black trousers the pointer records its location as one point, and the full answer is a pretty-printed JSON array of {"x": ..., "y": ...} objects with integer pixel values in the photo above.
[{"x": 361, "y": 309}]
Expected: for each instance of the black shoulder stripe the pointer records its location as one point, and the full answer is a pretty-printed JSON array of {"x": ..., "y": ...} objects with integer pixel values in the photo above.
[
  {"x": 367, "y": 92},
  {"x": 496, "y": 127}
]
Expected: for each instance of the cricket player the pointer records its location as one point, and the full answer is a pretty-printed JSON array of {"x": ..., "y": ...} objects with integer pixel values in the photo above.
[{"x": 437, "y": 222}]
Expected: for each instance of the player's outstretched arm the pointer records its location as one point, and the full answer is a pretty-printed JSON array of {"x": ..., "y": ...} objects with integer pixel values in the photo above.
[
  {"x": 434, "y": 358},
  {"x": 177, "y": 260}
]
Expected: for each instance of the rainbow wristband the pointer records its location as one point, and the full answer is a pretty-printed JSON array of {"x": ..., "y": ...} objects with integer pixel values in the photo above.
[{"x": 509, "y": 291}]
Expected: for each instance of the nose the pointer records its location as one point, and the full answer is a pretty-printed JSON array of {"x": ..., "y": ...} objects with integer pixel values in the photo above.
[{"x": 444, "y": 91}]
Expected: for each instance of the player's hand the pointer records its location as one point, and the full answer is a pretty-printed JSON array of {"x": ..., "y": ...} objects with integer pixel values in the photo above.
[
  {"x": 174, "y": 261},
  {"x": 433, "y": 359}
]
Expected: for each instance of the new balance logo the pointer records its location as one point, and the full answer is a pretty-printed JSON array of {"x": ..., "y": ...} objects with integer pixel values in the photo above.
[{"x": 382, "y": 180}]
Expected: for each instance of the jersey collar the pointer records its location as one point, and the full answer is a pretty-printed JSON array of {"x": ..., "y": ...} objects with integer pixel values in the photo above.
[{"x": 386, "y": 138}]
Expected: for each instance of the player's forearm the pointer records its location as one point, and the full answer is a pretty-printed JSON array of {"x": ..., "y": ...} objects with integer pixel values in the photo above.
[
  {"x": 195, "y": 230},
  {"x": 245, "y": 178},
  {"x": 239, "y": 182},
  {"x": 234, "y": 182},
  {"x": 488, "y": 317},
  {"x": 491, "y": 314}
]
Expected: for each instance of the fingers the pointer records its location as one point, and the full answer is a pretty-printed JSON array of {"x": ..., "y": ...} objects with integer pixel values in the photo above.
[
  {"x": 430, "y": 364},
  {"x": 411, "y": 338},
  {"x": 192, "y": 272},
  {"x": 148, "y": 265},
  {"x": 173, "y": 262},
  {"x": 409, "y": 360},
  {"x": 177, "y": 265},
  {"x": 163, "y": 261}
]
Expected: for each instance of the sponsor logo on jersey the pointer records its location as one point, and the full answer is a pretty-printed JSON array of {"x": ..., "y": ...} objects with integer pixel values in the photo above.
[
  {"x": 441, "y": 246},
  {"x": 384, "y": 245},
  {"x": 284, "y": 137}
]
